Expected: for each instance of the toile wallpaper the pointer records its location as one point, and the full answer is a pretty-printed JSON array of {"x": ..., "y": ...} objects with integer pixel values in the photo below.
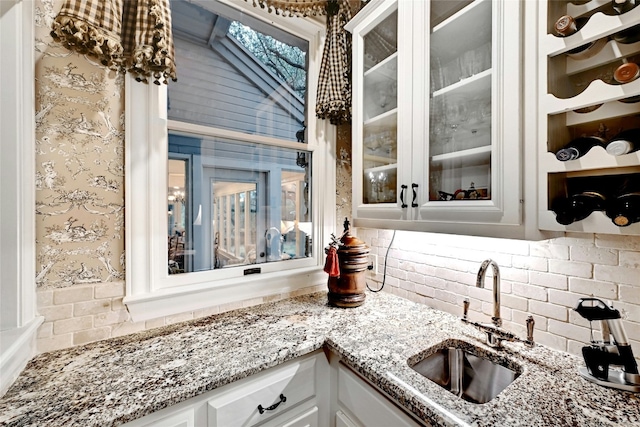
[{"x": 79, "y": 164}]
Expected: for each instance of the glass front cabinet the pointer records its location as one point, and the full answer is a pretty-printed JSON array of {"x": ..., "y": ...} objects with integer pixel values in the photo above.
[{"x": 436, "y": 116}]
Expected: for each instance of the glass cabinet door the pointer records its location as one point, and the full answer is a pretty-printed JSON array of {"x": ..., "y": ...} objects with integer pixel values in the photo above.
[
  {"x": 460, "y": 141},
  {"x": 380, "y": 112}
]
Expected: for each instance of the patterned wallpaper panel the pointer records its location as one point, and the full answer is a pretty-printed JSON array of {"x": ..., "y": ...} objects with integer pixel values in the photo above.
[{"x": 79, "y": 164}]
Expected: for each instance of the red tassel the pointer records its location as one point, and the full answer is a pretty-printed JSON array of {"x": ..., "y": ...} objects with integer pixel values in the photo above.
[{"x": 331, "y": 265}]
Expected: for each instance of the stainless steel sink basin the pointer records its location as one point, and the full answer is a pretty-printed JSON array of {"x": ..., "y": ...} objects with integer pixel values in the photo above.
[{"x": 467, "y": 371}]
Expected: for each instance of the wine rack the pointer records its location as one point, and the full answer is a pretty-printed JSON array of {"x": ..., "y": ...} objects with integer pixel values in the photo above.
[{"x": 578, "y": 97}]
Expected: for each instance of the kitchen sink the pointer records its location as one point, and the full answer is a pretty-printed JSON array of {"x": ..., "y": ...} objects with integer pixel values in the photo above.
[{"x": 467, "y": 371}]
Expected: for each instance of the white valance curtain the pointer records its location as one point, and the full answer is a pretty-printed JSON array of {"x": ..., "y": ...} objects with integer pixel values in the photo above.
[{"x": 127, "y": 35}]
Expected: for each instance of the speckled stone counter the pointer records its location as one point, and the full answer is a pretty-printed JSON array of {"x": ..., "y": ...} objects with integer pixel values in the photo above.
[{"x": 117, "y": 380}]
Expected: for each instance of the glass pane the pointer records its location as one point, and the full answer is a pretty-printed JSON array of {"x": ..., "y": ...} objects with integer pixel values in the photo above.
[
  {"x": 380, "y": 102},
  {"x": 237, "y": 72},
  {"x": 177, "y": 203},
  {"x": 460, "y": 102},
  {"x": 248, "y": 203}
]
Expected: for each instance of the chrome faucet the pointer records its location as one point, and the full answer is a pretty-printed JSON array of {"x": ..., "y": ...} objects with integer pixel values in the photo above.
[
  {"x": 495, "y": 335},
  {"x": 496, "y": 319}
]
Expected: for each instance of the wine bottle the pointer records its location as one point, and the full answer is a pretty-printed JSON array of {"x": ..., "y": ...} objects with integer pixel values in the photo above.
[
  {"x": 628, "y": 36},
  {"x": 623, "y": 6},
  {"x": 625, "y": 142},
  {"x": 624, "y": 210},
  {"x": 626, "y": 72},
  {"x": 567, "y": 25},
  {"x": 615, "y": 73},
  {"x": 577, "y": 206},
  {"x": 578, "y": 147}
]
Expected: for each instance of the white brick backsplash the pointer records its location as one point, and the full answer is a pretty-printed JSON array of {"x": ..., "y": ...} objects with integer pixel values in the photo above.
[
  {"x": 549, "y": 339},
  {"x": 529, "y": 291},
  {"x": 127, "y": 328},
  {"x": 629, "y": 276},
  {"x": 112, "y": 318},
  {"x": 435, "y": 282},
  {"x": 446, "y": 274},
  {"x": 618, "y": 242},
  {"x": 73, "y": 294},
  {"x": 72, "y": 325},
  {"x": 550, "y": 251},
  {"x": 445, "y": 296},
  {"x": 56, "y": 312},
  {"x": 576, "y": 239},
  {"x": 44, "y": 298},
  {"x": 544, "y": 278},
  {"x": 91, "y": 335},
  {"x": 568, "y": 330},
  {"x": 593, "y": 288},
  {"x": 548, "y": 280},
  {"x": 91, "y": 307},
  {"x": 529, "y": 263},
  {"x": 408, "y": 286},
  {"x": 154, "y": 323},
  {"x": 571, "y": 268},
  {"x": 425, "y": 291},
  {"x": 630, "y": 259},
  {"x": 517, "y": 303},
  {"x": 514, "y": 274},
  {"x": 480, "y": 294},
  {"x": 567, "y": 299},
  {"x": 548, "y": 310},
  {"x": 466, "y": 278},
  {"x": 416, "y": 278},
  {"x": 55, "y": 342},
  {"x": 110, "y": 290},
  {"x": 594, "y": 255},
  {"x": 630, "y": 294},
  {"x": 45, "y": 330}
]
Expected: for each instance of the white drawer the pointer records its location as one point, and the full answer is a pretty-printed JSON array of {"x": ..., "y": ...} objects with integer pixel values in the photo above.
[{"x": 237, "y": 405}]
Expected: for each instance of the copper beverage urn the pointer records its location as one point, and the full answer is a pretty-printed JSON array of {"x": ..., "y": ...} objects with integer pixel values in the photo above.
[{"x": 348, "y": 289}]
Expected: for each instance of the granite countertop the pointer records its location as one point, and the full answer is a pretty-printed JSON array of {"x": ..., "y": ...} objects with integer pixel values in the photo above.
[{"x": 117, "y": 380}]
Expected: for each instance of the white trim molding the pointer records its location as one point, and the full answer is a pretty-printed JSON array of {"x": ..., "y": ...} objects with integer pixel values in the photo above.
[
  {"x": 18, "y": 321},
  {"x": 150, "y": 291}
]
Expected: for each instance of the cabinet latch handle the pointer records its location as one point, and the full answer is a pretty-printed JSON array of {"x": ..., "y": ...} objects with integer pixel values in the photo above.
[
  {"x": 283, "y": 399},
  {"x": 403, "y": 204},
  {"x": 415, "y": 195}
]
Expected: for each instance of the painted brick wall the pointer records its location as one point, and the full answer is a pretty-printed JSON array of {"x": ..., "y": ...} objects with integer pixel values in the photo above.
[{"x": 544, "y": 279}]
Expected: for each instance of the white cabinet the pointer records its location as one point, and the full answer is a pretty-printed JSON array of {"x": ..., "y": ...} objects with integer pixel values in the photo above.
[
  {"x": 294, "y": 394},
  {"x": 578, "y": 97},
  {"x": 365, "y": 405},
  {"x": 436, "y": 116}
]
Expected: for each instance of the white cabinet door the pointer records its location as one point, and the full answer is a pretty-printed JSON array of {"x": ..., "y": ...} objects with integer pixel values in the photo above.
[
  {"x": 342, "y": 420},
  {"x": 436, "y": 123},
  {"x": 369, "y": 406}
]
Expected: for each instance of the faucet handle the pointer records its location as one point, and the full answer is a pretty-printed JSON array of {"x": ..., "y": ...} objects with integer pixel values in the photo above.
[
  {"x": 530, "y": 324},
  {"x": 465, "y": 308}
]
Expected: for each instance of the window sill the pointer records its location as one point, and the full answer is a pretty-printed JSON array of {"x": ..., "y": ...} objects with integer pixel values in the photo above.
[{"x": 183, "y": 299}]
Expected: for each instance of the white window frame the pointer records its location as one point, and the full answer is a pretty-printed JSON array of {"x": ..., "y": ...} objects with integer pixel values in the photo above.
[
  {"x": 150, "y": 291},
  {"x": 19, "y": 321}
]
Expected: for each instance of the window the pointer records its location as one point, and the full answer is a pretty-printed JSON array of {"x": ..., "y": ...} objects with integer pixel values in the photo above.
[{"x": 243, "y": 213}]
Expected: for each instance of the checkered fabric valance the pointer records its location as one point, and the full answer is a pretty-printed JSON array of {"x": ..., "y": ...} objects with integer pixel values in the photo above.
[
  {"x": 127, "y": 35},
  {"x": 333, "y": 101}
]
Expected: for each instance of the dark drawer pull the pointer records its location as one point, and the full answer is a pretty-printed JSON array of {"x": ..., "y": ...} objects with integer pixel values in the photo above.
[{"x": 274, "y": 406}]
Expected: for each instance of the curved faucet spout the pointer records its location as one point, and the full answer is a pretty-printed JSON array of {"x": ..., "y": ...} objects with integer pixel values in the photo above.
[{"x": 497, "y": 320}]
